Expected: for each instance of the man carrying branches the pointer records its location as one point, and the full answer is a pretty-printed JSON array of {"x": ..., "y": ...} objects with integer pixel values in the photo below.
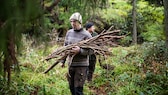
[
  {"x": 78, "y": 58},
  {"x": 78, "y": 45}
]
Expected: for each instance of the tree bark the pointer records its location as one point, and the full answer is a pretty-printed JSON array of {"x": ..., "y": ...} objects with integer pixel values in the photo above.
[
  {"x": 165, "y": 2},
  {"x": 10, "y": 58},
  {"x": 134, "y": 22}
]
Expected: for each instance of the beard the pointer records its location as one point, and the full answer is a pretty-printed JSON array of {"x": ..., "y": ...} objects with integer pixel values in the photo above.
[{"x": 76, "y": 27}]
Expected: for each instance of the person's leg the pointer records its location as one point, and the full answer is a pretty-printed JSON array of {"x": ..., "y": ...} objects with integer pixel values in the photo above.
[
  {"x": 91, "y": 69},
  {"x": 70, "y": 78},
  {"x": 79, "y": 91},
  {"x": 80, "y": 77}
]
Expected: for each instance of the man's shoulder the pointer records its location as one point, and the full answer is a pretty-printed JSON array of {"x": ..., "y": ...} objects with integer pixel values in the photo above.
[
  {"x": 82, "y": 32},
  {"x": 94, "y": 34},
  {"x": 70, "y": 30},
  {"x": 86, "y": 33}
]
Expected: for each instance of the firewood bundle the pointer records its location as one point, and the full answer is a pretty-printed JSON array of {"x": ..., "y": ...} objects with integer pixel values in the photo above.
[{"x": 99, "y": 44}]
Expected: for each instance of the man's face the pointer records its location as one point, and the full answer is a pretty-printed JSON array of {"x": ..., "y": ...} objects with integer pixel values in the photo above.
[
  {"x": 75, "y": 24},
  {"x": 91, "y": 29}
]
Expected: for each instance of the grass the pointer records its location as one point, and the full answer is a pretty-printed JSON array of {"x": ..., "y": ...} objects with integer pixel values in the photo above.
[{"x": 127, "y": 78}]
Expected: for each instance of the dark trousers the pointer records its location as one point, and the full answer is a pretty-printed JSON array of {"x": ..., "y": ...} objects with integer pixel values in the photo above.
[
  {"x": 76, "y": 78},
  {"x": 91, "y": 69}
]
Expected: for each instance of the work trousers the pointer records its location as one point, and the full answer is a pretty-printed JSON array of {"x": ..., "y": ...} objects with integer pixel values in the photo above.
[
  {"x": 91, "y": 67},
  {"x": 76, "y": 78}
]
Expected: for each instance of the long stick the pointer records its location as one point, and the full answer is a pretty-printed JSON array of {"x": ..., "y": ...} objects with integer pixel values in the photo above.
[{"x": 52, "y": 66}]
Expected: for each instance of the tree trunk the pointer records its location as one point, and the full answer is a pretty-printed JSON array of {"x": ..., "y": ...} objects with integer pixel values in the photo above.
[
  {"x": 134, "y": 22},
  {"x": 10, "y": 58},
  {"x": 165, "y": 2}
]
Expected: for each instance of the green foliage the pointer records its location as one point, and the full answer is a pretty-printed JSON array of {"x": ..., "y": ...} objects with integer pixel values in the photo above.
[
  {"x": 155, "y": 52},
  {"x": 16, "y": 17},
  {"x": 149, "y": 20},
  {"x": 126, "y": 40},
  {"x": 133, "y": 74},
  {"x": 155, "y": 33},
  {"x": 115, "y": 15},
  {"x": 135, "y": 71},
  {"x": 5, "y": 89},
  {"x": 31, "y": 79},
  {"x": 139, "y": 70},
  {"x": 59, "y": 18},
  {"x": 82, "y": 6}
]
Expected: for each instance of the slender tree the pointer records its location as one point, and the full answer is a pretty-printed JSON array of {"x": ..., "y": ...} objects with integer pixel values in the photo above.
[
  {"x": 134, "y": 22},
  {"x": 166, "y": 20}
]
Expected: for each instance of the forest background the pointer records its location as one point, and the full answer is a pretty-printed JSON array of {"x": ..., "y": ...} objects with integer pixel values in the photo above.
[{"x": 30, "y": 30}]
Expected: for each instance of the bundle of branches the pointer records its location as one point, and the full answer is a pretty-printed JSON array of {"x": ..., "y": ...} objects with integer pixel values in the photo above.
[{"x": 98, "y": 43}]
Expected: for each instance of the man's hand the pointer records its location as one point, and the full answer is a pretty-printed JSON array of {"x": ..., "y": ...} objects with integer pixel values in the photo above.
[
  {"x": 75, "y": 50},
  {"x": 63, "y": 65}
]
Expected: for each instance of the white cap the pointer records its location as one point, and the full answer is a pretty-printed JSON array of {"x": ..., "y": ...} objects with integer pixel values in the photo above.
[{"x": 76, "y": 16}]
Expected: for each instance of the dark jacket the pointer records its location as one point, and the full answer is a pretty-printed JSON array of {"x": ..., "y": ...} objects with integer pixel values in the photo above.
[{"x": 93, "y": 56}]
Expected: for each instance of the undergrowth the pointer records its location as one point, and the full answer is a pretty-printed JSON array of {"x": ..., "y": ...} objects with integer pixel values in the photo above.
[{"x": 139, "y": 70}]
